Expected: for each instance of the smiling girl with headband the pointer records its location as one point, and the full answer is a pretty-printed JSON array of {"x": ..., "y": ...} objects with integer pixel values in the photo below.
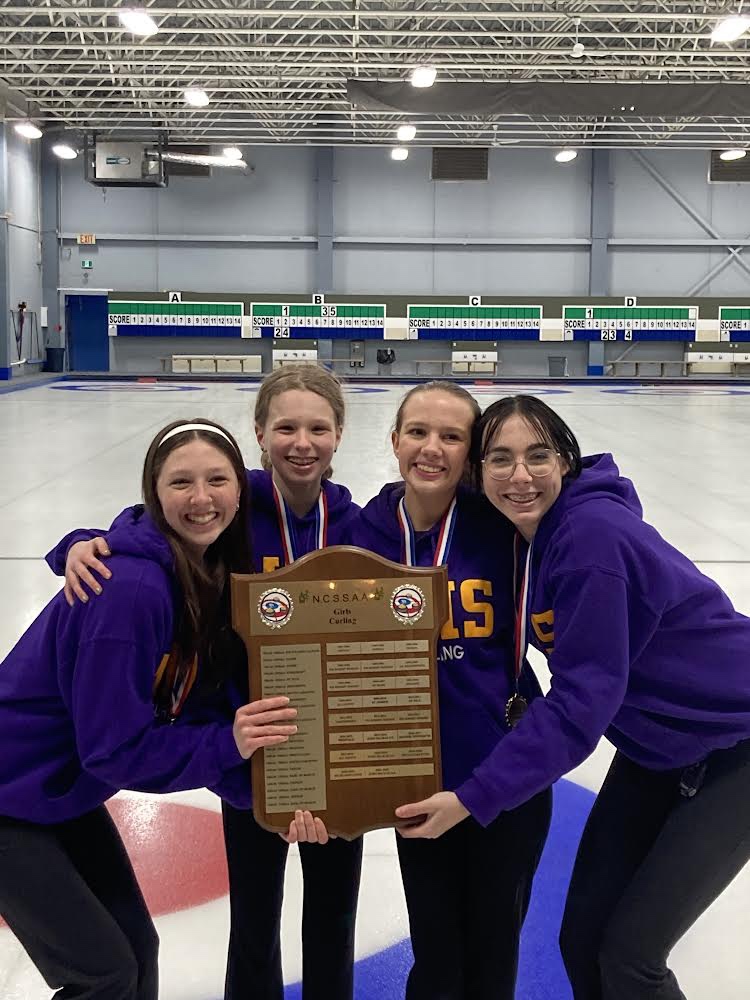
[
  {"x": 296, "y": 509},
  {"x": 87, "y": 698}
]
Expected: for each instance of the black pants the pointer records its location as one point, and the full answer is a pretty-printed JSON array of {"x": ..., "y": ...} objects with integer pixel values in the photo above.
[
  {"x": 467, "y": 894},
  {"x": 257, "y": 860},
  {"x": 69, "y": 894},
  {"x": 649, "y": 863}
]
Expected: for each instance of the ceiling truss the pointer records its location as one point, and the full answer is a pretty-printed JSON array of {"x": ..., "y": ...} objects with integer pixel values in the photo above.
[{"x": 276, "y": 70}]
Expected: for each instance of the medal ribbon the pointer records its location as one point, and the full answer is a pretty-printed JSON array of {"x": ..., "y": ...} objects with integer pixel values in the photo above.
[
  {"x": 166, "y": 674},
  {"x": 285, "y": 524},
  {"x": 445, "y": 535},
  {"x": 522, "y": 610}
]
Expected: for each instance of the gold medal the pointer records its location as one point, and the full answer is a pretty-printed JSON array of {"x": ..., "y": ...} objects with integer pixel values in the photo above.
[{"x": 515, "y": 709}]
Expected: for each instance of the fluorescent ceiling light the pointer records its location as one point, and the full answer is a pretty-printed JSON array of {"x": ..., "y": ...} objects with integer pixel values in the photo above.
[
  {"x": 64, "y": 151},
  {"x": 730, "y": 29},
  {"x": 733, "y": 154},
  {"x": 566, "y": 155},
  {"x": 423, "y": 76},
  {"x": 204, "y": 160},
  {"x": 399, "y": 153},
  {"x": 406, "y": 133},
  {"x": 232, "y": 153},
  {"x": 28, "y": 130},
  {"x": 138, "y": 21},
  {"x": 196, "y": 97}
]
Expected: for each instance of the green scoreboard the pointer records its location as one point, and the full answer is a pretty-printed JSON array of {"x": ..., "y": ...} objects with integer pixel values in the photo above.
[
  {"x": 475, "y": 322},
  {"x": 302, "y": 320},
  {"x": 175, "y": 319},
  {"x": 630, "y": 322},
  {"x": 734, "y": 323}
]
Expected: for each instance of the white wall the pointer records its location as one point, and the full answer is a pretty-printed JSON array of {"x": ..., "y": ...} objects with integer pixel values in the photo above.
[
  {"x": 384, "y": 209},
  {"x": 24, "y": 251}
]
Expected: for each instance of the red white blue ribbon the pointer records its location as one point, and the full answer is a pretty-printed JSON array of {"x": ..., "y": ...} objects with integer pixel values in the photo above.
[
  {"x": 286, "y": 528},
  {"x": 445, "y": 536}
]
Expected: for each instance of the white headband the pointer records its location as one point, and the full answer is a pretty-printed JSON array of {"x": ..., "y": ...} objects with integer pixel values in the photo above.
[{"x": 196, "y": 427}]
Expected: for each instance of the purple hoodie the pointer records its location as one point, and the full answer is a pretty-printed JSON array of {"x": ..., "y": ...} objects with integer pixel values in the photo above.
[
  {"x": 642, "y": 647},
  {"x": 265, "y": 534},
  {"x": 77, "y": 718},
  {"x": 268, "y": 553},
  {"x": 475, "y": 652}
]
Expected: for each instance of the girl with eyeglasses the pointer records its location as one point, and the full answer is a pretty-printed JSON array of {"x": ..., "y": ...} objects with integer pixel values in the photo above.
[
  {"x": 130, "y": 691},
  {"x": 467, "y": 879},
  {"x": 645, "y": 650}
]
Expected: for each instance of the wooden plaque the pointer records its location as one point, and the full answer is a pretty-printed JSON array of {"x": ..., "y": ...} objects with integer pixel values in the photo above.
[{"x": 351, "y": 638}]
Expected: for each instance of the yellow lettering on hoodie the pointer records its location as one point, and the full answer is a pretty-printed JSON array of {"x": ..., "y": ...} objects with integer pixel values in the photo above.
[{"x": 544, "y": 627}]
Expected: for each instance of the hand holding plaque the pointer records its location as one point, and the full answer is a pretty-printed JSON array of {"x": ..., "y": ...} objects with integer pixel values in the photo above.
[{"x": 351, "y": 639}]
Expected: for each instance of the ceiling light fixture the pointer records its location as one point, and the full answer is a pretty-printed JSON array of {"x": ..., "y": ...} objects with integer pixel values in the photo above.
[
  {"x": 578, "y": 47},
  {"x": 196, "y": 97},
  {"x": 204, "y": 160},
  {"x": 406, "y": 133},
  {"x": 423, "y": 76},
  {"x": 566, "y": 155},
  {"x": 138, "y": 21},
  {"x": 28, "y": 130},
  {"x": 730, "y": 29},
  {"x": 733, "y": 154},
  {"x": 64, "y": 151},
  {"x": 232, "y": 153},
  {"x": 399, "y": 153}
]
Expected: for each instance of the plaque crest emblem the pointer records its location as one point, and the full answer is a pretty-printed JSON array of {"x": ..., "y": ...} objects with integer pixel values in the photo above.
[
  {"x": 275, "y": 607},
  {"x": 407, "y": 604}
]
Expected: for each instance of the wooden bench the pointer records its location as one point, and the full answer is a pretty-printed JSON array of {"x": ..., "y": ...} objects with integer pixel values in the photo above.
[
  {"x": 637, "y": 364},
  {"x": 475, "y": 362},
  {"x": 718, "y": 362},
  {"x": 441, "y": 363},
  {"x": 217, "y": 363},
  {"x": 295, "y": 356}
]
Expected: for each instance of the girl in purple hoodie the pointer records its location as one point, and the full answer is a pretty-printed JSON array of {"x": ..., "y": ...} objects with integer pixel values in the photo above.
[
  {"x": 645, "y": 650},
  {"x": 87, "y": 696},
  {"x": 295, "y": 509},
  {"x": 467, "y": 891}
]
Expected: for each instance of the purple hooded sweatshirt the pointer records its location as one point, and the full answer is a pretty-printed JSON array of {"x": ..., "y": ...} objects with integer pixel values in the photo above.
[
  {"x": 77, "y": 718},
  {"x": 268, "y": 554},
  {"x": 642, "y": 647},
  {"x": 475, "y": 651}
]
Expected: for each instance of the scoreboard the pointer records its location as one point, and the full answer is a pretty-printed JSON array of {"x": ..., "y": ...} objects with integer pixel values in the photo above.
[
  {"x": 175, "y": 319},
  {"x": 734, "y": 323},
  {"x": 475, "y": 322},
  {"x": 630, "y": 322},
  {"x": 359, "y": 321}
]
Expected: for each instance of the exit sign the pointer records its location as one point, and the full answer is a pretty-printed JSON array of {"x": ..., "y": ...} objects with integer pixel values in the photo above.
[
  {"x": 87, "y": 264},
  {"x": 86, "y": 239}
]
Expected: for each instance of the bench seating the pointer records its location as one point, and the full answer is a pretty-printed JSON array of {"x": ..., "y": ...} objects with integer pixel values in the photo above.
[
  {"x": 475, "y": 362},
  {"x": 181, "y": 364},
  {"x": 635, "y": 366},
  {"x": 715, "y": 361},
  {"x": 295, "y": 356}
]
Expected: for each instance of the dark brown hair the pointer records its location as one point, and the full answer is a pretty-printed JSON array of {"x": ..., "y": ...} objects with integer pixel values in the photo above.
[
  {"x": 548, "y": 425},
  {"x": 305, "y": 378},
  {"x": 202, "y": 600}
]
